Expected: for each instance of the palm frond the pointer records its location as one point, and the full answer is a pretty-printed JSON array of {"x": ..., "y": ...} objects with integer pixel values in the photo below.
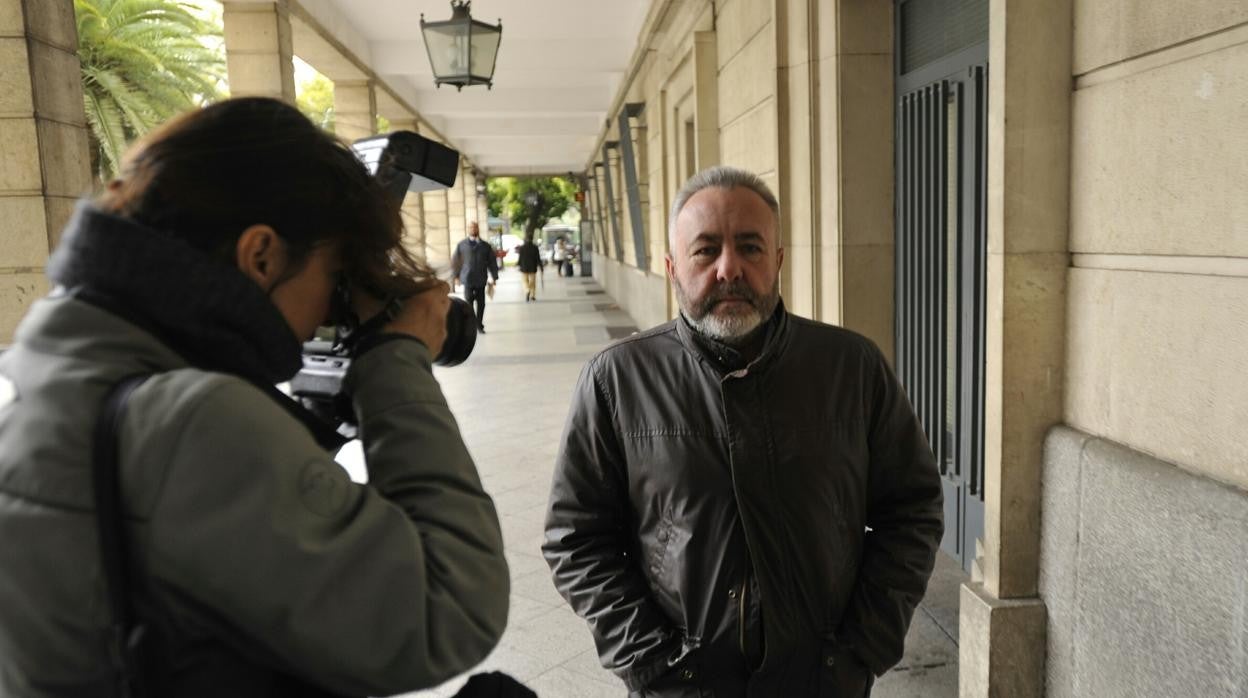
[
  {"x": 107, "y": 130},
  {"x": 143, "y": 61}
]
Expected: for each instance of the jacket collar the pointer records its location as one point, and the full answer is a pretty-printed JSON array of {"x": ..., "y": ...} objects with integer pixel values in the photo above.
[{"x": 723, "y": 358}]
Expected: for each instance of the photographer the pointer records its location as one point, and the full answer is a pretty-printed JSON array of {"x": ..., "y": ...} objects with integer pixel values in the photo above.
[{"x": 256, "y": 566}]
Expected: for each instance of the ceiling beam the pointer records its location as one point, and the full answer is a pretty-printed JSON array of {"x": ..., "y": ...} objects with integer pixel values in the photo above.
[
  {"x": 524, "y": 124},
  {"x": 448, "y": 101},
  {"x": 555, "y": 163},
  {"x": 534, "y": 145}
]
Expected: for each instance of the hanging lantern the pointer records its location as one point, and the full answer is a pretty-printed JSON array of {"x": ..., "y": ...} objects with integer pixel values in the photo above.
[{"x": 462, "y": 50}]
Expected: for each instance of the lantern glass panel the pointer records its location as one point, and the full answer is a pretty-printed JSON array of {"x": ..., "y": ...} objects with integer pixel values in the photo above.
[
  {"x": 448, "y": 48},
  {"x": 485, "y": 42}
]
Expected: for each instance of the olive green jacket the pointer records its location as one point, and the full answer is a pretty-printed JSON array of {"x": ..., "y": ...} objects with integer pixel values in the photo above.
[{"x": 254, "y": 554}]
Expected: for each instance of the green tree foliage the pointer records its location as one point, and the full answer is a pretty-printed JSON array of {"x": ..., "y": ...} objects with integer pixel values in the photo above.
[
  {"x": 315, "y": 99},
  {"x": 143, "y": 61},
  {"x": 508, "y": 196}
]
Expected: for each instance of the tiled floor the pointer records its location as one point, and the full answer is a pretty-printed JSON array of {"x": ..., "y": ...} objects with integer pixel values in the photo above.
[{"x": 511, "y": 399}]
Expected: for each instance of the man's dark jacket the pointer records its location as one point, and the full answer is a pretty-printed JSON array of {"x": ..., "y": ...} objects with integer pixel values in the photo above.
[
  {"x": 530, "y": 258},
  {"x": 711, "y": 525},
  {"x": 474, "y": 262}
]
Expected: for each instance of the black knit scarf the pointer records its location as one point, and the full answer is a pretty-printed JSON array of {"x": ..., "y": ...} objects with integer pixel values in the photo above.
[{"x": 204, "y": 309}]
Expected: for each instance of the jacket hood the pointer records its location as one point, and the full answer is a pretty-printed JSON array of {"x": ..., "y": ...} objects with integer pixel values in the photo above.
[{"x": 206, "y": 310}]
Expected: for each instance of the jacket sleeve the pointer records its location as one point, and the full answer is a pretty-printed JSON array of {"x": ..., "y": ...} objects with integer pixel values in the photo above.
[
  {"x": 457, "y": 262},
  {"x": 906, "y": 520},
  {"x": 262, "y": 541},
  {"x": 588, "y": 539},
  {"x": 493, "y": 263}
]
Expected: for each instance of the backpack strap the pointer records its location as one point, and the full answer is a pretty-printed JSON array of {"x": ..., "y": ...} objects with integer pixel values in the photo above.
[{"x": 124, "y": 635}]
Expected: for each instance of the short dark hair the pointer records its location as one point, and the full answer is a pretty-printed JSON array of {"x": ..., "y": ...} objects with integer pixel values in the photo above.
[
  {"x": 724, "y": 177},
  {"x": 208, "y": 175}
]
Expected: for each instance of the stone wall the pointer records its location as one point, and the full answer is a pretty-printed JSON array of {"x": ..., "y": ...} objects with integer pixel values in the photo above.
[
  {"x": 1142, "y": 572},
  {"x": 44, "y": 164},
  {"x": 1158, "y": 333},
  {"x": 643, "y": 295}
]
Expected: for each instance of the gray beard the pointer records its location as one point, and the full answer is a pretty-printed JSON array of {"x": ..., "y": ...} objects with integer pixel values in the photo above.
[{"x": 732, "y": 329}]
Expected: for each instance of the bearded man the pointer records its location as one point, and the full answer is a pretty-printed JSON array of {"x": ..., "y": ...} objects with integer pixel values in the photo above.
[{"x": 744, "y": 503}]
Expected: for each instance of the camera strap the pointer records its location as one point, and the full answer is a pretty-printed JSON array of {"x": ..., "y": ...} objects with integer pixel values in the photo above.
[
  {"x": 356, "y": 332},
  {"x": 124, "y": 634}
]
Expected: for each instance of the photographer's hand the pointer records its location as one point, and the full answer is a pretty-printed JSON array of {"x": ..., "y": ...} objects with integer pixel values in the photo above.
[{"x": 422, "y": 316}]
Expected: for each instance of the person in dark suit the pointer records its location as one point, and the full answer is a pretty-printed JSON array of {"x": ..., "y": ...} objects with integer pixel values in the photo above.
[{"x": 476, "y": 267}]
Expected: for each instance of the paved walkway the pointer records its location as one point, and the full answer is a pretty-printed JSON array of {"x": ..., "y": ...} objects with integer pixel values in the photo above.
[{"x": 511, "y": 400}]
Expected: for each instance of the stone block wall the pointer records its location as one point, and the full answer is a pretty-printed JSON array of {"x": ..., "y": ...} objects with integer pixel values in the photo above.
[
  {"x": 1158, "y": 327},
  {"x": 644, "y": 296},
  {"x": 1142, "y": 573},
  {"x": 44, "y": 163}
]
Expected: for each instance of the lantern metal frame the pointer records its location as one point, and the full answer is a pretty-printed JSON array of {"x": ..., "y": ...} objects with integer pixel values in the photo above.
[{"x": 462, "y": 23}]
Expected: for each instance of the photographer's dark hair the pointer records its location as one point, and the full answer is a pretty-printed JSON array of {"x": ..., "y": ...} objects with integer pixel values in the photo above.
[{"x": 208, "y": 175}]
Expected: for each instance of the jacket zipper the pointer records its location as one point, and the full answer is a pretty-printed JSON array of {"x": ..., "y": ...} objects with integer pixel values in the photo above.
[{"x": 741, "y": 619}]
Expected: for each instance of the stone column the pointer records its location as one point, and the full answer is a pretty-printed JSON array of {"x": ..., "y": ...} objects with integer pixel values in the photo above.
[
  {"x": 413, "y": 210},
  {"x": 854, "y": 169},
  {"x": 798, "y": 142},
  {"x": 706, "y": 99},
  {"x": 44, "y": 156},
  {"x": 471, "y": 210},
  {"x": 483, "y": 208},
  {"x": 1028, "y": 217},
  {"x": 438, "y": 243},
  {"x": 456, "y": 223},
  {"x": 619, "y": 202},
  {"x": 258, "y": 48},
  {"x": 355, "y": 109}
]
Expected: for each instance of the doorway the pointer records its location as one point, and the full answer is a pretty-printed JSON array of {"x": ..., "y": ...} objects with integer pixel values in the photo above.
[{"x": 941, "y": 243}]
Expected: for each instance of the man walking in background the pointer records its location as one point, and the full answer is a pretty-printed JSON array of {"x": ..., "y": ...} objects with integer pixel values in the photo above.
[
  {"x": 530, "y": 262},
  {"x": 475, "y": 266},
  {"x": 744, "y": 503}
]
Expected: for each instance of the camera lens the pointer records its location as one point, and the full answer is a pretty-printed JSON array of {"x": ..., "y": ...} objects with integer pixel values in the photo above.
[{"x": 461, "y": 334}]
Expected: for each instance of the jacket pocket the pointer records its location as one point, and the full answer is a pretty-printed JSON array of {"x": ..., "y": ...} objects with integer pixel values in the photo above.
[
  {"x": 685, "y": 680},
  {"x": 663, "y": 571},
  {"x": 843, "y": 675}
]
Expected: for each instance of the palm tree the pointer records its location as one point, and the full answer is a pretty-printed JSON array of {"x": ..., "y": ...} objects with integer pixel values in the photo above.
[{"x": 143, "y": 61}]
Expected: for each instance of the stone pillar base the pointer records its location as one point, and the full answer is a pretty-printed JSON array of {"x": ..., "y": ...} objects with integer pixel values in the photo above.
[{"x": 1002, "y": 645}]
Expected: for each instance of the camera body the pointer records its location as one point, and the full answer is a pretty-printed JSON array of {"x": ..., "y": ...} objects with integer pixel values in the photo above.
[{"x": 401, "y": 161}]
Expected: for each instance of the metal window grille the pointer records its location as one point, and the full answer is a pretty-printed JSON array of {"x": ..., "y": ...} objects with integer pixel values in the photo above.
[
  {"x": 932, "y": 29},
  {"x": 607, "y": 162},
  {"x": 941, "y": 239},
  {"x": 632, "y": 182}
]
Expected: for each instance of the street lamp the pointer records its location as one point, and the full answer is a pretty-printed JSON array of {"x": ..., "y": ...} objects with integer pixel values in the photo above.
[{"x": 462, "y": 50}]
